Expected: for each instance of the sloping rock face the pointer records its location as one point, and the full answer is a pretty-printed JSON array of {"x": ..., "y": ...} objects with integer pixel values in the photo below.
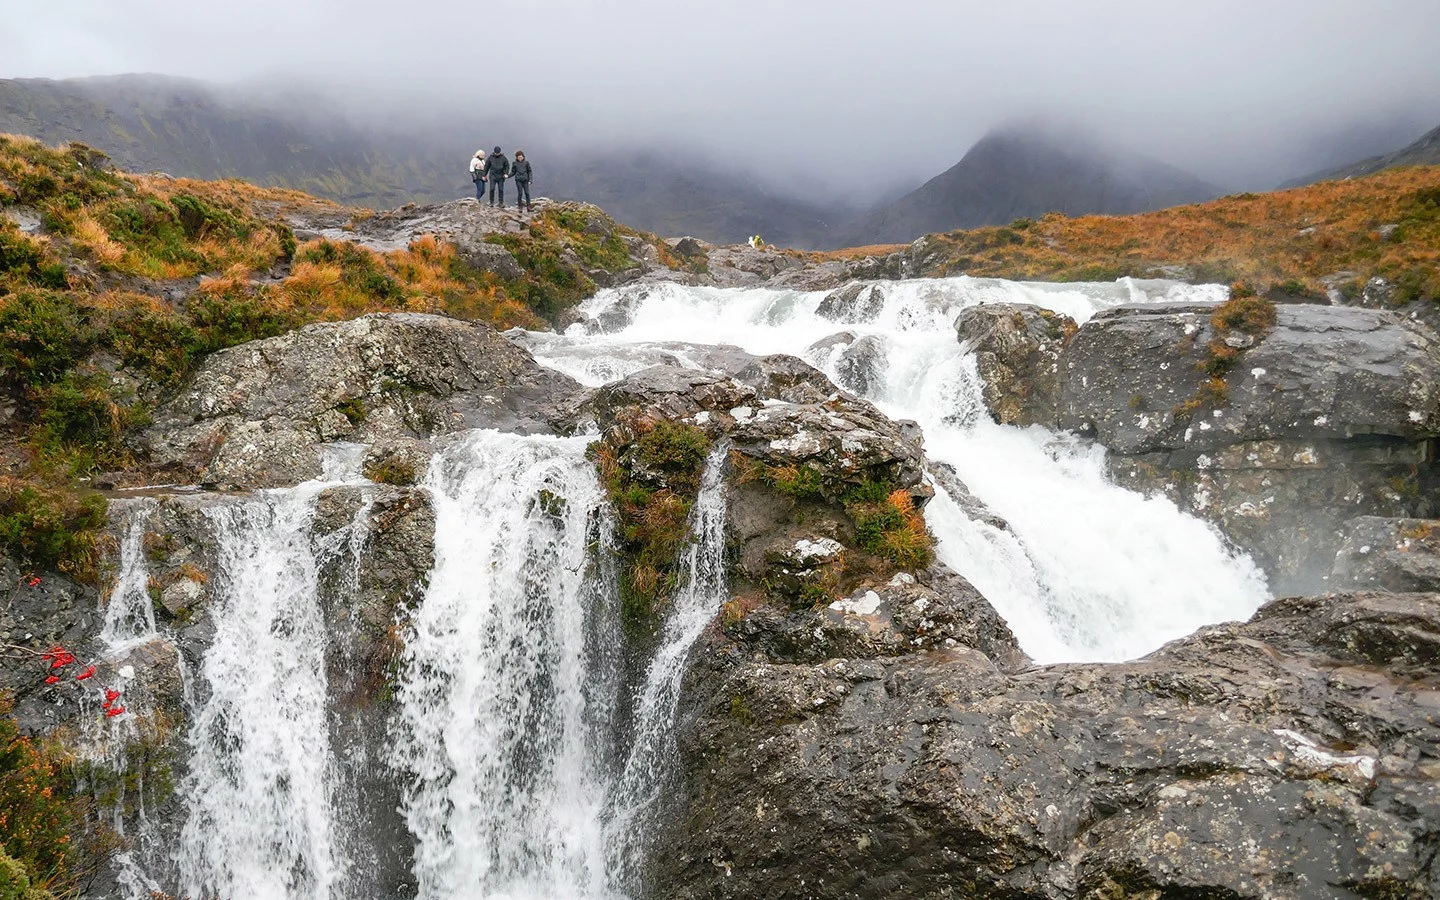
[
  {"x": 1017, "y": 352},
  {"x": 1331, "y": 414},
  {"x": 252, "y": 415},
  {"x": 1290, "y": 757},
  {"x": 1388, "y": 554}
]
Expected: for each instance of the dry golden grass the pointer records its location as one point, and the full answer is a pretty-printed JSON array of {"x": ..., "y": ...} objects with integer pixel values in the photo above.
[{"x": 1297, "y": 236}]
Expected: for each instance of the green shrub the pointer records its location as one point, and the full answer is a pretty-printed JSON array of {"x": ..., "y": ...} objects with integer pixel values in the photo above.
[
  {"x": 42, "y": 334},
  {"x": 231, "y": 318},
  {"x": 158, "y": 343},
  {"x": 52, "y": 528}
]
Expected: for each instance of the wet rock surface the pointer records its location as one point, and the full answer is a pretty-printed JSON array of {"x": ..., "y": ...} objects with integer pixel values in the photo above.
[
  {"x": 1292, "y": 756},
  {"x": 252, "y": 415},
  {"x": 1388, "y": 554},
  {"x": 1321, "y": 373},
  {"x": 1331, "y": 414},
  {"x": 1017, "y": 352}
]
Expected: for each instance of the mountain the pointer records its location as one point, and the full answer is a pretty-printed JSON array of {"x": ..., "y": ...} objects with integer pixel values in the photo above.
[
  {"x": 1424, "y": 152},
  {"x": 303, "y": 141},
  {"x": 1025, "y": 172}
]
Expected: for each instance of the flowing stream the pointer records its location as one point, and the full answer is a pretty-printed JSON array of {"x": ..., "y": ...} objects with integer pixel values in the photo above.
[
  {"x": 1086, "y": 571},
  {"x": 529, "y": 752}
]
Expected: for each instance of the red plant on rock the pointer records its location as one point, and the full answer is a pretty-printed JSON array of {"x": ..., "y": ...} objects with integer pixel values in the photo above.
[{"x": 56, "y": 659}]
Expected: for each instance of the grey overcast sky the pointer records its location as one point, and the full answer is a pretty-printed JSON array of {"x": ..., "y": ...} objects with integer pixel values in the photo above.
[{"x": 1243, "y": 92}]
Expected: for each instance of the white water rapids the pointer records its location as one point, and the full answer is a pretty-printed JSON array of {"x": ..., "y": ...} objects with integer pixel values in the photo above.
[
  {"x": 1087, "y": 571},
  {"x": 528, "y": 751}
]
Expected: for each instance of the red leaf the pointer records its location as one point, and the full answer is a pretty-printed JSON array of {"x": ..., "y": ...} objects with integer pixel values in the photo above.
[
  {"x": 53, "y": 679},
  {"x": 111, "y": 695},
  {"x": 118, "y": 710},
  {"x": 85, "y": 674}
]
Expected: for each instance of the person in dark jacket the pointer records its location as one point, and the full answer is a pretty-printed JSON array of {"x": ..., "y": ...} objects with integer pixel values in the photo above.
[
  {"x": 521, "y": 173},
  {"x": 497, "y": 167}
]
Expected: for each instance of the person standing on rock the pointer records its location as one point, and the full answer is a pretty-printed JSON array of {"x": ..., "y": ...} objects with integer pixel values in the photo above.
[
  {"x": 521, "y": 173},
  {"x": 477, "y": 175},
  {"x": 497, "y": 166}
]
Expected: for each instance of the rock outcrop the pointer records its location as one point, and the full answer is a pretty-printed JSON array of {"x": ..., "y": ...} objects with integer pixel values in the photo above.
[
  {"x": 1278, "y": 437},
  {"x": 253, "y": 415},
  {"x": 1017, "y": 352},
  {"x": 1388, "y": 554},
  {"x": 822, "y": 767}
]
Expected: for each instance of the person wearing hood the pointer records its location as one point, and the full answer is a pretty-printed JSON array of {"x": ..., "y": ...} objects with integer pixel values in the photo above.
[
  {"x": 497, "y": 166},
  {"x": 521, "y": 174},
  {"x": 477, "y": 175}
]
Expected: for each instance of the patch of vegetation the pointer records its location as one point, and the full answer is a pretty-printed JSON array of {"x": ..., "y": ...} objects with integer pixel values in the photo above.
[
  {"x": 39, "y": 811},
  {"x": 1244, "y": 313},
  {"x": 888, "y": 525},
  {"x": 1296, "y": 237},
  {"x": 651, "y": 472},
  {"x": 391, "y": 470}
]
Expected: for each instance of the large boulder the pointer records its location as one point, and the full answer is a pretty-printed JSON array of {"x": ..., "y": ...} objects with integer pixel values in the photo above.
[
  {"x": 856, "y": 302},
  {"x": 1211, "y": 768},
  {"x": 1017, "y": 352},
  {"x": 253, "y": 414},
  {"x": 1276, "y": 437},
  {"x": 1322, "y": 373}
]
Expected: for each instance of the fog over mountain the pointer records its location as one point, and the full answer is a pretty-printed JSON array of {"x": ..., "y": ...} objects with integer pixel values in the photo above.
[{"x": 812, "y": 96}]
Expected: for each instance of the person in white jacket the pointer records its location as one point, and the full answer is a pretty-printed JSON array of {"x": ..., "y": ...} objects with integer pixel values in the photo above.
[{"x": 477, "y": 174}]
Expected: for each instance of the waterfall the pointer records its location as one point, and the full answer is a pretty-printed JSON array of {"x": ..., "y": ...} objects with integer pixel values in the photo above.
[
  {"x": 652, "y": 737},
  {"x": 1087, "y": 570},
  {"x": 262, "y": 817},
  {"x": 501, "y": 755},
  {"x": 129, "y": 612}
]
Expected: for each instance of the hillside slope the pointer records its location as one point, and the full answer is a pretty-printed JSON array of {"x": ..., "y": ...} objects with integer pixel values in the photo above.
[
  {"x": 1425, "y": 151},
  {"x": 1028, "y": 172},
  {"x": 1335, "y": 235}
]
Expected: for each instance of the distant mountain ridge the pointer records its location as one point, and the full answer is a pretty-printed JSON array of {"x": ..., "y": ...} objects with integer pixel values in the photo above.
[
  {"x": 1025, "y": 172},
  {"x": 191, "y": 129},
  {"x": 194, "y": 129},
  {"x": 1423, "y": 152}
]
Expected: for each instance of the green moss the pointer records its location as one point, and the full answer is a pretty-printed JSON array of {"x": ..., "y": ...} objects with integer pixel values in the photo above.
[
  {"x": 394, "y": 470},
  {"x": 353, "y": 409},
  {"x": 651, "y": 481},
  {"x": 676, "y": 449}
]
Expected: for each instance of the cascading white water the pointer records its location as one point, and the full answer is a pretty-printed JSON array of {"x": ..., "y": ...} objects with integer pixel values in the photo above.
[
  {"x": 652, "y": 736},
  {"x": 129, "y": 611},
  {"x": 261, "y": 818},
  {"x": 505, "y": 794},
  {"x": 1087, "y": 570}
]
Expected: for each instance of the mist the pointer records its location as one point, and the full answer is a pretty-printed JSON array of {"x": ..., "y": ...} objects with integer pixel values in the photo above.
[{"x": 816, "y": 97}]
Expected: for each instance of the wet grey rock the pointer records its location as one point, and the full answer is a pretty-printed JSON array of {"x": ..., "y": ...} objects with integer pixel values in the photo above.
[
  {"x": 859, "y": 362},
  {"x": 399, "y": 461},
  {"x": 690, "y": 248},
  {"x": 54, "y": 611},
  {"x": 858, "y": 302},
  {"x": 1323, "y": 372},
  {"x": 1378, "y": 293},
  {"x": 493, "y": 258},
  {"x": 847, "y": 439},
  {"x": 743, "y": 266},
  {"x": 1388, "y": 554},
  {"x": 1017, "y": 352},
  {"x": 934, "y": 611},
  {"x": 1289, "y": 757},
  {"x": 1329, "y": 416},
  {"x": 252, "y": 415}
]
